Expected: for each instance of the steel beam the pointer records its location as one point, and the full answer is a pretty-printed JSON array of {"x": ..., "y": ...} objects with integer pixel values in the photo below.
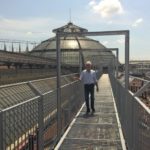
[
  {"x": 58, "y": 86},
  {"x": 40, "y": 116},
  {"x": 104, "y": 33},
  {"x": 1, "y": 129},
  {"x": 142, "y": 89}
]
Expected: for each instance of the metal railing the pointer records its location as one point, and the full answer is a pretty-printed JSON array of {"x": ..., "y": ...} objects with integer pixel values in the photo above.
[
  {"x": 8, "y": 76},
  {"x": 17, "y": 124},
  {"x": 32, "y": 124},
  {"x": 134, "y": 117},
  {"x": 12, "y": 57},
  {"x": 141, "y": 88}
]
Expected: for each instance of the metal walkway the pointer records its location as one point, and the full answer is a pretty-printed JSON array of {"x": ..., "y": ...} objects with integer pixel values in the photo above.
[{"x": 99, "y": 131}]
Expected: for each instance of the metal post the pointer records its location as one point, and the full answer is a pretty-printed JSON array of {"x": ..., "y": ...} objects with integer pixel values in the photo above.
[
  {"x": 1, "y": 129},
  {"x": 114, "y": 65},
  {"x": 27, "y": 47},
  {"x": 117, "y": 60},
  {"x": 19, "y": 48},
  {"x": 31, "y": 142},
  {"x": 80, "y": 61},
  {"x": 37, "y": 135},
  {"x": 127, "y": 60},
  {"x": 5, "y": 48},
  {"x": 12, "y": 48},
  {"x": 58, "y": 86},
  {"x": 40, "y": 116},
  {"x": 121, "y": 32},
  {"x": 41, "y": 124}
]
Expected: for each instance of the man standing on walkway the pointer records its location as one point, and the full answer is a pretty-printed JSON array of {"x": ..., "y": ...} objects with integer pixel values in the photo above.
[{"x": 88, "y": 76}]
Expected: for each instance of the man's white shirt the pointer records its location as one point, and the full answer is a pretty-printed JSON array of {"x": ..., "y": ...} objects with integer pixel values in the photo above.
[{"x": 88, "y": 77}]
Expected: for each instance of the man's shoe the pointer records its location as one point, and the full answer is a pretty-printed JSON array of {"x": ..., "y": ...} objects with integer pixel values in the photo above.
[
  {"x": 93, "y": 111},
  {"x": 88, "y": 111}
]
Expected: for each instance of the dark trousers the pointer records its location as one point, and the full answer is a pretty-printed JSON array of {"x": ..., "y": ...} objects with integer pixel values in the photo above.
[{"x": 89, "y": 91}]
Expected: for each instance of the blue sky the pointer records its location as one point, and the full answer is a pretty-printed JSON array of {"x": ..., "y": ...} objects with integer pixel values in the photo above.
[{"x": 34, "y": 20}]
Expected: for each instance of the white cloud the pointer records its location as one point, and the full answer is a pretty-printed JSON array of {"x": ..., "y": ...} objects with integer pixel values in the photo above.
[
  {"x": 29, "y": 33},
  {"x": 92, "y": 3},
  {"x": 28, "y": 29},
  {"x": 137, "y": 22},
  {"x": 22, "y": 25},
  {"x": 107, "y": 8},
  {"x": 110, "y": 22}
]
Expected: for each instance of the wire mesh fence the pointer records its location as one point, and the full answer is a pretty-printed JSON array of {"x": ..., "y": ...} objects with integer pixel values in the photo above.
[
  {"x": 26, "y": 120},
  {"x": 134, "y": 117},
  {"x": 18, "y": 123}
]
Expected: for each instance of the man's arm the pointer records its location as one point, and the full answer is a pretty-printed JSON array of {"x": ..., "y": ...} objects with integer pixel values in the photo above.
[
  {"x": 96, "y": 82},
  {"x": 80, "y": 77},
  {"x": 97, "y": 88}
]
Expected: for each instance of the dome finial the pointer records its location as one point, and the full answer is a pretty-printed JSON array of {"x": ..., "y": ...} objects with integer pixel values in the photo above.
[{"x": 70, "y": 27}]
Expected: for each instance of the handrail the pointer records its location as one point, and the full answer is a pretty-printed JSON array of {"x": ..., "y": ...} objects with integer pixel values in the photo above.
[{"x": 134, "y": 116}]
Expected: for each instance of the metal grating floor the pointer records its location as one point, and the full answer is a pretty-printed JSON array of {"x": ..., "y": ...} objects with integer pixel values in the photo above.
[{"x": 98, "y": 131}]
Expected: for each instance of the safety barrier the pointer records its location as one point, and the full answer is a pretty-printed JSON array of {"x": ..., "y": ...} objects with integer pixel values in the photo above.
[
  {"x": 32, "y": 124},
  {"x": 9, "y": 76},
  {"x": 11, "y": 57},
  {"x": 134, "y": 116}
]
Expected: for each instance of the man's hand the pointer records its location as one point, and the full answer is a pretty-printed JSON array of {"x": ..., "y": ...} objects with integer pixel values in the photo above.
[
  {"x": 76, "y": 78},
  {"x": 97, "y": 89}
]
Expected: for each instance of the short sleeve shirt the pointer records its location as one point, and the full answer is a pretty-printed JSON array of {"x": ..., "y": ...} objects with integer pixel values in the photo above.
[{"x": 88, "y": 77}]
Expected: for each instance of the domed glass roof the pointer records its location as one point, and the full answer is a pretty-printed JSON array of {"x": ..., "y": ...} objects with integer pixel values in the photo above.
[
  {"x": 72, "y": 45},
  {"x": 70, "y": 42}
]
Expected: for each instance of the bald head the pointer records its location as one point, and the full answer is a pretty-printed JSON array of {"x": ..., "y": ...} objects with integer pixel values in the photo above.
[{"x": 88, "y": 65}]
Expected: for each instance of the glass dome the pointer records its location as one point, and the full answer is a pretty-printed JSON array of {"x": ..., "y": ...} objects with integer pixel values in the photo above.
[{"x": 71, "y": 46}]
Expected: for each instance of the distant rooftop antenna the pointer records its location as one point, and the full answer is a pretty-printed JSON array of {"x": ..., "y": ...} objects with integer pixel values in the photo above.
[
  {"x": 27, "y": 47},
  {"x": 12, "y": 47},
  {"x": 70, "y": 15},
  {"x": 5, "y": 48},
  {"x": 19, "y": 48}
]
